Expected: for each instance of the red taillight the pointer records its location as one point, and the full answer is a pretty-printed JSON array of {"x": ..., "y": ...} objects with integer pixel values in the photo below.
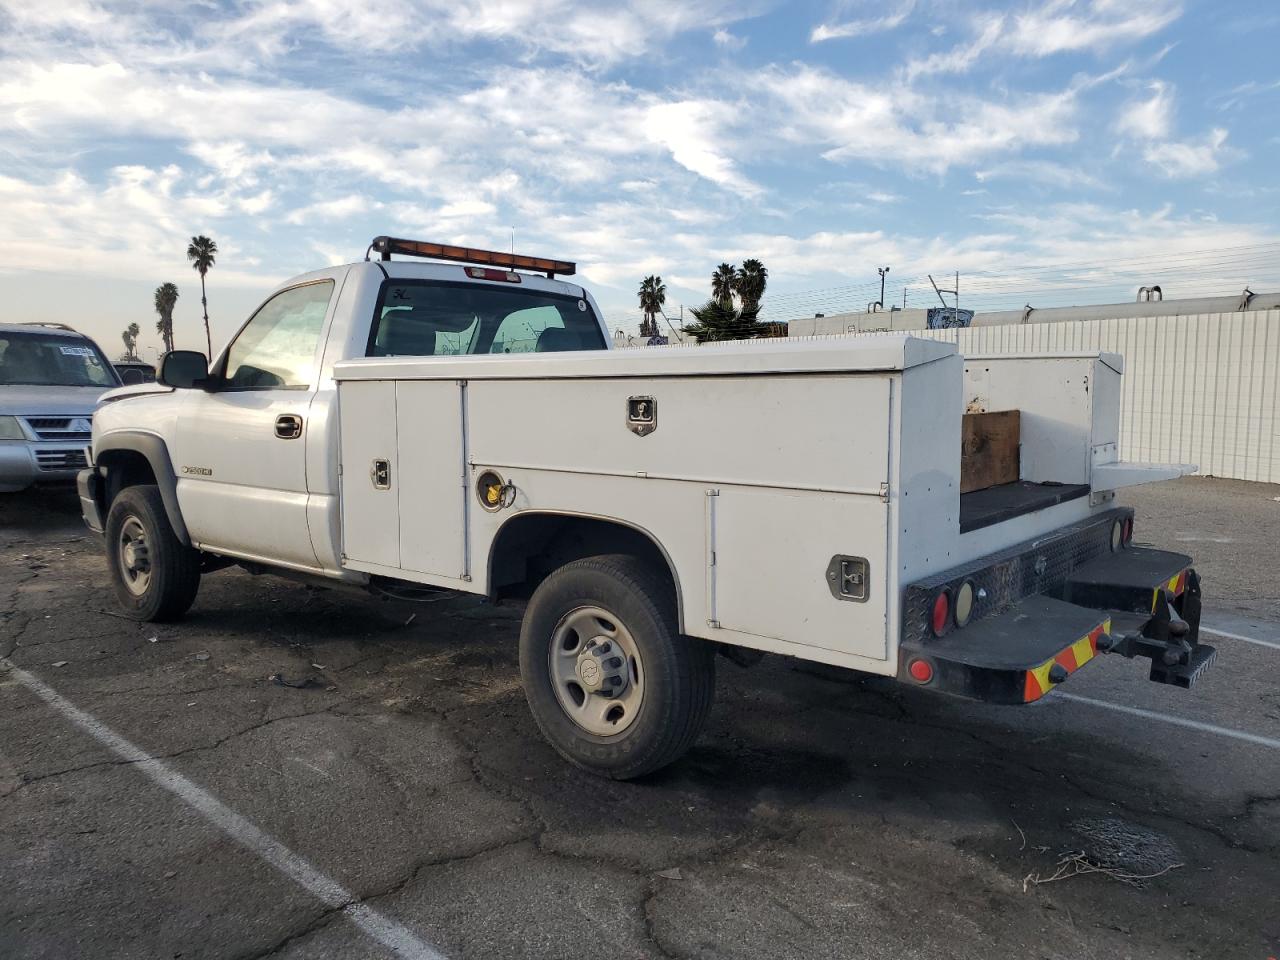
[
  {"x": 1127, "y": 534},
  {"x": 488, "y": 273},
  {"x": 920, "y": 671},
  {"x": 941, "y": 612}
]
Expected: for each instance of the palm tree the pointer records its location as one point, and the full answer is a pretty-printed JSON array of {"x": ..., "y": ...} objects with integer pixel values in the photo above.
[
  {"x": 130, "y": 337},
  {"x": 166, "y": 300},
  {"x": 203, "y": 254},
  {"x": 722, "y": 282},
  {"x": 717, "y": 321},
  {"x": 653, "y": 295},
  {"x": 750, "y": 282}
]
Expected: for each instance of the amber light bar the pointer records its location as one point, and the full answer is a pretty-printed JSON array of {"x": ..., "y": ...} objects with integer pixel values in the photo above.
[{"x": 386, "y": 246}]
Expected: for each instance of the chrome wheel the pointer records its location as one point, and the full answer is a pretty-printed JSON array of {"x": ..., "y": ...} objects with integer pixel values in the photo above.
[
  {"x": 133, "y": 556},
  {"x": 596, "y": 671}
]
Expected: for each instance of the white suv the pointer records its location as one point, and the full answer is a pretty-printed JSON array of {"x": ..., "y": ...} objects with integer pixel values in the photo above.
[{"x": 50, "y": 380}]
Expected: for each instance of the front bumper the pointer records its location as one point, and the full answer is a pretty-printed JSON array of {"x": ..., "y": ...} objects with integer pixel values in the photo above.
[
  {"x": 24, "y": 462},
  {"x": 89, "y": 487},
  {"x": 1051, "y": 606}
]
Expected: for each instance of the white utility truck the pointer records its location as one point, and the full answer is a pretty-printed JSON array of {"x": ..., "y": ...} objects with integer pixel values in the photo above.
[{"x": 880, "y": 503}]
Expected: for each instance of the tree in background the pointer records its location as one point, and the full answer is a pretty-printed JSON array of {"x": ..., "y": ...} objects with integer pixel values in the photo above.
[
  {"x": 719, "y": 318},
  {"x": 203, "y": 254},
  {"x": 653, "y": 295},
  {"x": 749, "y": 283},
  {"x": 722, "y": 284},
  {"x": 130, "y": 337},
  {"x": 166, "y": 300}
]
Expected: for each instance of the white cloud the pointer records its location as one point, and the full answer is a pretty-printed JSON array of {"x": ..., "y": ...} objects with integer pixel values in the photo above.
[
  {"x": 1149, "y": 119},
  {"x": 340, "y": 208},
  {"x": 594, "y": 34},
  {"x": 962, "y": 58},
  {"x": 897, "y": 125},
  {"x": 1061, "y": 26},
  {"x": 690, "y": 129},
  {"x": 1054, "y": 27},
  {"x": 1188, "y": 158},
  {"x": 729, "y": 41},
  {"x": 862, "y": 27},
  {"x": 1046, "y": 172}
]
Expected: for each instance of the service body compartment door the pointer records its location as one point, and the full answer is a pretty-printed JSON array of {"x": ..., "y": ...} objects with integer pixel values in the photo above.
[
  {"x": 433, "y": 499},
  {"x": 811, "y": 566},
  {"x": 778, "y": 556},
  {"x": 370, "y": 473}
]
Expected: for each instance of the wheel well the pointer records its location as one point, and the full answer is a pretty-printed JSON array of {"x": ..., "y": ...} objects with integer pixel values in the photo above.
[
  {"x": 531, "y": 546},
  {"x": 124, "y": 468}
]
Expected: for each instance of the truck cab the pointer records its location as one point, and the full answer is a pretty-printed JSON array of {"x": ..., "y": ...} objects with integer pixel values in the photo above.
[
  {"x": 879, "y": 503},
  {"x": 252, "y": 449}
]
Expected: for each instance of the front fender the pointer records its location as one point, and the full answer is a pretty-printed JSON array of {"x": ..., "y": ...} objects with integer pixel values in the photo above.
[{"x": 156, "y": 453}]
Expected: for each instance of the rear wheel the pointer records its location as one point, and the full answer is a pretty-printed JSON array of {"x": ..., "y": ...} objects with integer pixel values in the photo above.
[
  {"x": 155, "y": 576},
  {"x": 610, "y": 681}
]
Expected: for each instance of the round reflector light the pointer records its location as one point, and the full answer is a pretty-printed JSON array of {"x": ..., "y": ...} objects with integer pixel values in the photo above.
[
  {"x": 1117, "y": 536},
  {"x": 920, "y": 671},
  {"x": 941, "y": 612},
  {"x": 964, "y": 604}
]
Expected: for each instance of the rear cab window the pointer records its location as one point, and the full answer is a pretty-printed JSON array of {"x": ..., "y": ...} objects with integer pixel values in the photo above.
[{"x": 425, "y": 318}]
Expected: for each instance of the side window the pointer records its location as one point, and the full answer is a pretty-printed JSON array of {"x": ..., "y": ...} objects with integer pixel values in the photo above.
[{"x": 277, "y": 348}]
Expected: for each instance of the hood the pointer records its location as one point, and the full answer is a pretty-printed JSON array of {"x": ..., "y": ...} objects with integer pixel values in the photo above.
[{"x": 30, "y": 400}]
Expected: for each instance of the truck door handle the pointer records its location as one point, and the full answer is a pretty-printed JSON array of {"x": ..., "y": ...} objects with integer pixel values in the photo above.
[{"x": 288, "y": 426}]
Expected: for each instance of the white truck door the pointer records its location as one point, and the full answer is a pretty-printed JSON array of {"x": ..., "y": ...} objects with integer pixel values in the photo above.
[{"x": 239, "y": 451}]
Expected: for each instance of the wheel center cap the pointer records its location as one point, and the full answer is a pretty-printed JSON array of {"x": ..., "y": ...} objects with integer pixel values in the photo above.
[
  {"x": 135, "y": 555},
  {"x": 602, "y": 669}
]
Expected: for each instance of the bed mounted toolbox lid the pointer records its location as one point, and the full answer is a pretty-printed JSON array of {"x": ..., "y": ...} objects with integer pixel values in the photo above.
[{"x": 872, "y": 354}]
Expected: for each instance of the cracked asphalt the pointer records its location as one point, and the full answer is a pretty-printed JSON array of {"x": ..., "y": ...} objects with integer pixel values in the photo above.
[{"x": 822, "y": 814}]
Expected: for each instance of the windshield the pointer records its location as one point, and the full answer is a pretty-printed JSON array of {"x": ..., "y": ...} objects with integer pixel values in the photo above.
[
  {"x": 48, "y": 359},
  {"x": 423, "y": 318}
]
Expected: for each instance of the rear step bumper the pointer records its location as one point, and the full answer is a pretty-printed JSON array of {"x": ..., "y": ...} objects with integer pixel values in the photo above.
[{"x": 1134, "y": 602}]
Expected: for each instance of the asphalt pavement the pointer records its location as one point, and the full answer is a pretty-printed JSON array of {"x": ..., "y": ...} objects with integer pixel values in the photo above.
[{"x": 162, "y": 796}]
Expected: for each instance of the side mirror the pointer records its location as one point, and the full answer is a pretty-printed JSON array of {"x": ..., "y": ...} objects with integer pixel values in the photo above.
[{"x": 184, "y": 369}]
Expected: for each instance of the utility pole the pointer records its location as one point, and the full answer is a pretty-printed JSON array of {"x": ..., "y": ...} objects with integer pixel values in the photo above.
[{"x": 883, "y": 271}]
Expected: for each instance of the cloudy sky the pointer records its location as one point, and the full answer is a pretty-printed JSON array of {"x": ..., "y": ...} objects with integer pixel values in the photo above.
[{"x": 1050, "y": 150}]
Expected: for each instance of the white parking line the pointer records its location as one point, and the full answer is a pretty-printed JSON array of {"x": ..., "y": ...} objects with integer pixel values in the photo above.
[
  {"x": 1239, "y": 636},
  {"x": 394, "y": 936},
  {"x": 1253, "y": 738}
]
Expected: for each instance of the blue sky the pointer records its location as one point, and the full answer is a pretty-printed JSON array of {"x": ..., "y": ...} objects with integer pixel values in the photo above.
[{"x": 1051, "y": 151}]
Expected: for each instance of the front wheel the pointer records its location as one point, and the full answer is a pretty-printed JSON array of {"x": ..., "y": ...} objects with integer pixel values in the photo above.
[
  {"x": 154, "y": 574},
  {"x": 610, "y": 681}
]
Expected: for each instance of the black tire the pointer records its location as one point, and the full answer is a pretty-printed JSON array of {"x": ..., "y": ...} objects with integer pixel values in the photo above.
[
  {"x": 679, "y": 671},
  {"x": 173, "y": 574}
]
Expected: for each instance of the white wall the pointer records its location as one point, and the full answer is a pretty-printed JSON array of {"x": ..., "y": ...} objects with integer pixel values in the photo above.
[{"x": 1196, "y": 389}]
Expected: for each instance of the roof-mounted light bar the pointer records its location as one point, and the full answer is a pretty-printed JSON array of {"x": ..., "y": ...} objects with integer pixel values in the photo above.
[{"x": 386, "y": 246}]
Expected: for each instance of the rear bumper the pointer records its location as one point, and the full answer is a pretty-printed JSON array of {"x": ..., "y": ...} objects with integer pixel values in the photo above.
[{"x": 1050, "y": 607}]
